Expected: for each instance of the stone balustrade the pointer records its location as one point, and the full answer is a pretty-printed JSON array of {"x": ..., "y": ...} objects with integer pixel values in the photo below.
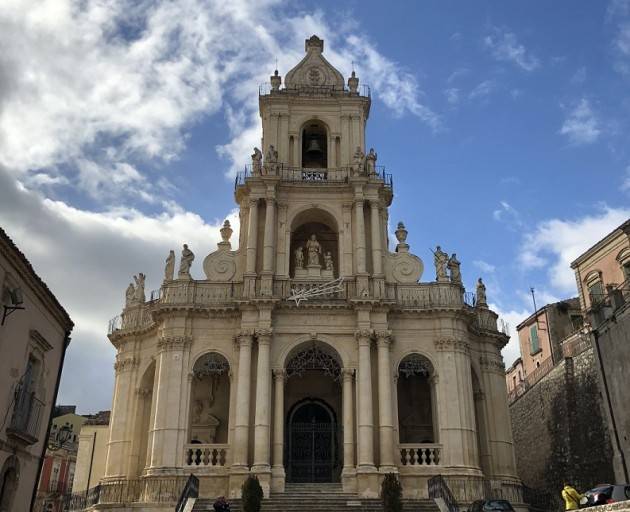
[
  {"x": 199, "y": 292},
  {"x": 206, "y": 455},
  {"x": 420, "y": 454},
  {"x": 427, "y": 295}
]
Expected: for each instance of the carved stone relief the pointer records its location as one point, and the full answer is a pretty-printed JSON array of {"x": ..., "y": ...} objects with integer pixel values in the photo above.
[{"x": 403, "y": 268}]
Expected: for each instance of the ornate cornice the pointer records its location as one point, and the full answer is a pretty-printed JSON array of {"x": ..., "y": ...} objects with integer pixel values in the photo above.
[
  {"x": 173, "y": 342},
  {"x": 452, "y": 345},
  {"x": 126, "y": 364}
]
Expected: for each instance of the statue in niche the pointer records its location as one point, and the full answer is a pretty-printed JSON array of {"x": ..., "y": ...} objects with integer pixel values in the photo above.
[
  {"x": 314, "y": 249},
  {"x": 370, "y": 162},
  {"x": 358, "y": 160},
  {"x": 481, "y": 293},
  {"x": 453, "y": 266},
  {"x": 328, "y": 261},
  {"x": 130, "y": 295},
  {"x": 271, "y": 160},
  {"x": 440, "y": 260},
  {"x": 186, "y": 261},
  {"x": 257, "y": 157},
  {"x": 299, "y": 257},
  {"x": 169, "y": 269},
  {"x": 139, "y": 293}
]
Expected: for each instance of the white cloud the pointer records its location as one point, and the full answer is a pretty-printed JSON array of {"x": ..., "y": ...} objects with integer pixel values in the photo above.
[
  {"x": 625, "y": 185},
  {"x": 555, "y": 243},
  {"x": 452, "y": 95},
  {"x": 505, "y": 47},
  {"x": 484, "y": 266},
  {"x": 483, "y": 89},
  {"x": 579, "y": 77},
  {"x": 87, "y": 259},
  {"x": 508, "y": 215},
  {"x": 581, "y": 126}
]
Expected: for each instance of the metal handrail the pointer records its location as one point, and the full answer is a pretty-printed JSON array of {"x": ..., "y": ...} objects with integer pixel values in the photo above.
[{"x": 191, "y": 491}]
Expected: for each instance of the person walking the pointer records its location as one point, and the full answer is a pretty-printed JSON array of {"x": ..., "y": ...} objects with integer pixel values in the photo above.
[{"x": 571, "y": 497}]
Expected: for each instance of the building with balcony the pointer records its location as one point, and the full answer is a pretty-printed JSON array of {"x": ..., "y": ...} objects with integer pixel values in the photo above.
[
  {"x": 34, "y": 335},
  {"x": 311, "y": 353},
  {"x": 603, "y": 278}
]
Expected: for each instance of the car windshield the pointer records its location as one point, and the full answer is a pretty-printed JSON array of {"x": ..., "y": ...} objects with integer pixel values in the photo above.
[
  {"x": 498, "y": 505},
  {"x": 603, "y": 489}
]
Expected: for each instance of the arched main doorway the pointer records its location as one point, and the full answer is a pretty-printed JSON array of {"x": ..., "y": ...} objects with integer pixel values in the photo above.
[{"x": 313, "y": 396}]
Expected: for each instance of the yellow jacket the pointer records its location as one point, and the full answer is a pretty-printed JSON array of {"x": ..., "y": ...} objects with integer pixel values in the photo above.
[{"x": 571, "y": 498}]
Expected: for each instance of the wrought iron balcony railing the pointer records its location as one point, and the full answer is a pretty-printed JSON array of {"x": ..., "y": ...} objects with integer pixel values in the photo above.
[
  {"x": 307, "y": 175},
  {"x": 26, "y": 417}
]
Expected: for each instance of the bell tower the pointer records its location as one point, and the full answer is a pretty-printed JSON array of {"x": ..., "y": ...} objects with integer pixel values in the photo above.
[{"x": 315, "y": 203}]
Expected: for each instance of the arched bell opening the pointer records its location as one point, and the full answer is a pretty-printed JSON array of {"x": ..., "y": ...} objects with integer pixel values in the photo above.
[
  {"x": 313, "y": 437},
  {"x": 314, "y": 246},
  {"x": 210, "y": 400},
  {"x": 416, "y": 401},
  {"x": 314, "y": 145}
]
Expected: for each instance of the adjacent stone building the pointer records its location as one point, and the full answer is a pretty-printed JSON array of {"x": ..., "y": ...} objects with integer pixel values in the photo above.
[
  {"x": 603, "y": 278},
  {"x": 311, "y": 353},
  {"x": 92, "y": 450},
  {"x": 34, "y": 335}
]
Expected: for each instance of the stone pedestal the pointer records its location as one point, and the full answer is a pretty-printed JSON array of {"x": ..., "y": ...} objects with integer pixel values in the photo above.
[
  {"x": 327, "y": 275},
  {"x": 314, "y": 271},
  {"x": 301, "y": 273}
]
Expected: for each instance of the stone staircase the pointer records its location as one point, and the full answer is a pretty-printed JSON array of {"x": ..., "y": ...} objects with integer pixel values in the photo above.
[{"x": 319, "y": 498}]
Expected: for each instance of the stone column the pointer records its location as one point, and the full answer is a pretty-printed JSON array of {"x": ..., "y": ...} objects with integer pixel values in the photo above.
[
  {"x": 115, "y": 465},
  {"x": 270, "y": 235},
  {"x": 377, "y": 256},
  {"x": 166, "y": 423},
  {"x": 277, "y": 470},
  {"x": 366, "y": 415},
  {"x": 385, "y": 394},
  {"x": 263, "y": 403},
  {"x": 359, "y": 242},
  {"x": 348, "y": 421},
  {"x": 243, "y": 383},
  {"x": 252, "y": 235}
]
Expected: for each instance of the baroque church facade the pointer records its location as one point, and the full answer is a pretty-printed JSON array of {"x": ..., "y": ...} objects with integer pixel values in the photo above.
[{"x": 311, "y": 353}]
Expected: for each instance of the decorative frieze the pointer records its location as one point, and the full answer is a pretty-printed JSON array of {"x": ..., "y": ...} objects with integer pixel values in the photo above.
[
  {"x": 126, "y": 364},
  {"x": 173, "y": 342},
  {"x": 452, "y": 345}
]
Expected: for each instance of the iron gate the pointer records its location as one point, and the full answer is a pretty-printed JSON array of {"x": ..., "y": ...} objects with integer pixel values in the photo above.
[{"x": 312, "y": 452}]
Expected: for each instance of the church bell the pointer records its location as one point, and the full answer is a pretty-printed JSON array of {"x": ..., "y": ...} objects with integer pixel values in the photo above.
[{"x": 314, "y": 147}]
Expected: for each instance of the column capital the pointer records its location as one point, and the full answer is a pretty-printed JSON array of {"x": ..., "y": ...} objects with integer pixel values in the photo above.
[
  {"x": 347, "y": 374},
  {"x": 375, "y": 203},
  {"x": 263, "y": 336},
  {"x": 253, "y": 201},
  {"x": 364, "y": 336},
  {"x": 126, "y": 364},
  {"x": 244, "y": 338},
  {"x": 270, "y": 199},
  {"x": 384, "y": 337},
  {"x": 279, "y": 374}
]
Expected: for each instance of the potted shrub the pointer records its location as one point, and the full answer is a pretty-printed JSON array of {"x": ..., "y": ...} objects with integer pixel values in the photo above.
[
  {"x": 391, "y": 493},
  {"x": 252, "y": 494}
]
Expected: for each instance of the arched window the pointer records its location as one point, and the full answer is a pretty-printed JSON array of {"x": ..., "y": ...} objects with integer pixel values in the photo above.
[
  {"x": 416, "y": 401},
  {"x": 210, "y": 400},
  {"x": 595, "y": 287},
  {"x": 314, "y": 145},
  {"x": 624, "y": 262}
]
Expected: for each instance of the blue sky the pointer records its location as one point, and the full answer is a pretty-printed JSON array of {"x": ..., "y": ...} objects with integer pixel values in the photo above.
[{"x": 505, "y": 125}]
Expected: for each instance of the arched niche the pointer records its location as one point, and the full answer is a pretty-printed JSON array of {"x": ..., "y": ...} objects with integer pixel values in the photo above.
[
  {"x": 210, "y": 400},
  {"x": 140, "y": 443},
  {"x": 324, "y": 226},
  {"x": 481, "y": 423},
  {"x": 416, "y": 400},
  {"x": 9, "y": 478},
  {"x": 314, "y": 145}
]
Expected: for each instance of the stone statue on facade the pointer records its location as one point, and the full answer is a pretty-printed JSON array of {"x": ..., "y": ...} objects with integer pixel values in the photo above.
[
  {"x": 169, "y": 268},
  {"x": 130, "y": 295},
  {"x": 482, "y": 300},
  {"x": 328, "y": 261},
  {"x": 271, "y": 160},
  {"x": 314, "y": 250},
  {"x": 299, "y": 257},
  {"x": 139, "y": 294},
  {"x": 453, "y": 265},
  {"x": 185, "y": 263},
  {"x": 370, "y": 162},
  {"x": 358, "y": 161},
  {"x": 440, "y": 260},
  {"x": 257, "y": 157}
]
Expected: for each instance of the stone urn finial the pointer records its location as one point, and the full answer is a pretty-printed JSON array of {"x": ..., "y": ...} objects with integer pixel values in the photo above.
[
  {"x": 401, "y": 236},
  {"x": 353, "y": 83},
  {"x": 276, "y": 80},
  {"x": 226, "y": 232}
]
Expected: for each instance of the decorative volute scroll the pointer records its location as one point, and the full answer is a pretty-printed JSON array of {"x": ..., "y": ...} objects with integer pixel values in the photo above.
[
  {"x": 222, "y": 265},
  {"x": 314, "y": 70},
  {"x": 401, "y": 266}
]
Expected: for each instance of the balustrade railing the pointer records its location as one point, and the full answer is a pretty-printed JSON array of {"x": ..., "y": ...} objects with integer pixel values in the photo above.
[
  {"x": 206, "y": 455},
  {"x": 132, "y": 318},
  {"x": 429, "y": 295},
  {"x": 314, "y": 90},
  {"x": 27, "y": 416},
  {"x": 420, "y": 454},
  {"x": 199, "y": 292}
]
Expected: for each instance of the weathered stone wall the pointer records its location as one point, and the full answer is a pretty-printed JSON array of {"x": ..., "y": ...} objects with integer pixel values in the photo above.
[{"x": 559, "y": 430}]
